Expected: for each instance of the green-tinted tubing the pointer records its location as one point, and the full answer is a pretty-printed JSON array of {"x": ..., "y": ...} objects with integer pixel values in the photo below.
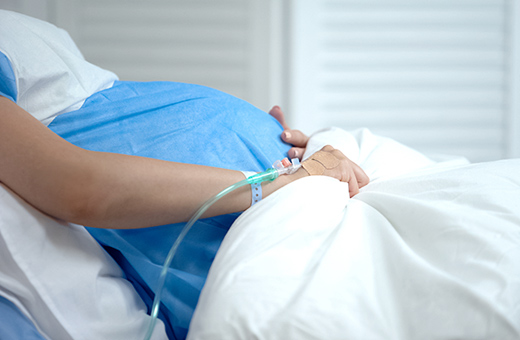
[{"x": 268, "y": 175}]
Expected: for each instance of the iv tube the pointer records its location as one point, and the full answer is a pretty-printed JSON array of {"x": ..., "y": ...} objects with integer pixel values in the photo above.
[{"x": 268, "y": 175}]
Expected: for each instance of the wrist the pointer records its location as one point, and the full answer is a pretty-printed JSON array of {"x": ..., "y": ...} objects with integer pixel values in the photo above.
[
  {"x": 270, "y": 187},
  {"x": 300, "y": 173}
]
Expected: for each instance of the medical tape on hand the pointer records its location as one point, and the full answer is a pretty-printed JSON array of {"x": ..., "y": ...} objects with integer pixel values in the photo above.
[{"x": 319, "y": 162}]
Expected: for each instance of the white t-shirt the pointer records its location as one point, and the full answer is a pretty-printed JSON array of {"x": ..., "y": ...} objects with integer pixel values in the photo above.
[{"x": 42, "y": 69}]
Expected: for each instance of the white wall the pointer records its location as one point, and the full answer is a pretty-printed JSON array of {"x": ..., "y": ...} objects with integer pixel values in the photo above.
[
  {"x": 513, "y": 86},
  {"x": 232, "y": 45},
  {"x": 439, "y": 75},
  {"x": 226, "y": 44},
  {"x": 35, "y": 8}
]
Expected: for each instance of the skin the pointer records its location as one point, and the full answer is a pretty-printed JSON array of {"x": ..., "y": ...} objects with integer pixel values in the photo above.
[
  {"x": 108, "y": 190},
  {"x": 349, "y": 171},
  {"x": 293, "y": 137}
]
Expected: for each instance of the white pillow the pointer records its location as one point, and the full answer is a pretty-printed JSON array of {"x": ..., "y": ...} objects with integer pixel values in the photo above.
[
  {"x": 52, "y": 77},
  {"x": 62, "y": 280}
]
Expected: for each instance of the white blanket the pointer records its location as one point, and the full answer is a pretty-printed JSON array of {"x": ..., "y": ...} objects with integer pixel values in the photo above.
[{"x": 428, "y": 250}]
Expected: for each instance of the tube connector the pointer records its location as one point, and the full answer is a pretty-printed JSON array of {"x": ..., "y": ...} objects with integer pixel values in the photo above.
[
  {"x": 268, "y": 175},
  {"x": 287, "y": 167},
  {"x": 283, "y": 167}
]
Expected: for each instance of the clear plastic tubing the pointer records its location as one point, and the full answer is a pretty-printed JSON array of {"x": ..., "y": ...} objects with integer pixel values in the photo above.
[{"x": 268, "y": 175}]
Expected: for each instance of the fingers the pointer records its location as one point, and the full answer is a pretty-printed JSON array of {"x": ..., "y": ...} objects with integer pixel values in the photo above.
[
  {"x": 295, "y": 137},
  {"x": 348, "y": 172},
  {"x": 361, "y": 176},
  {"x": 338, "y": 166},
  {"x": 296, "y": 153},
  {"x": 277, "y": 113},
  {"x": 353, "y": 186}
]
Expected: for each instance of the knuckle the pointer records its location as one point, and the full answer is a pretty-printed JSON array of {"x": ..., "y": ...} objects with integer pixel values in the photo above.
[{"x": 327, "y": 148}]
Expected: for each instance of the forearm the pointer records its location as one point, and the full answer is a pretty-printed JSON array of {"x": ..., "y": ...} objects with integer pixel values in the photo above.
[
  {"x": 107, "y": 190},
  {"x": 131, "y": 192}
]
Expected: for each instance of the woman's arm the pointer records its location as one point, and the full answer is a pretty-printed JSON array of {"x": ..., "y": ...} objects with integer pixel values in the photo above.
[
  {"x": 104, "y": 189},
  {"x": 109, "y": 190}
]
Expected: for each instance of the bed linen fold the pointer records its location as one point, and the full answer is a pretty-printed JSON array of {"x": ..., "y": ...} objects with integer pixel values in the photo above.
[{"x": 427, "y": 250}]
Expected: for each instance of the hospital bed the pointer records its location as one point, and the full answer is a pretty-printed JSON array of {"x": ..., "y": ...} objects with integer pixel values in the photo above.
[{"x": 430, "y": 249}]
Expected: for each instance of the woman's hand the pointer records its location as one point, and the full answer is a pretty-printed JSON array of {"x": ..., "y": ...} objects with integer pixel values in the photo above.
[
  {"x": 333, "y": 163},
  {"x": 293, "y": 137},
  {"x": 327, "y": 162}
]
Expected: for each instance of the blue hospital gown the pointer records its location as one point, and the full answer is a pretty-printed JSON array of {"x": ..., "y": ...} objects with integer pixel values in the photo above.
[{"x": 181, "y": 123}]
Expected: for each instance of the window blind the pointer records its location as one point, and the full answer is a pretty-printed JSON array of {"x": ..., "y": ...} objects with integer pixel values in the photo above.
[
  {"x": 218, "y": 43},
  {"x": 431, "y": 74}
]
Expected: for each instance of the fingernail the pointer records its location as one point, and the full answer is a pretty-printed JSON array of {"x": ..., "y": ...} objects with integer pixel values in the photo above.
[
  {"x": 287, "y": 134},
  {"x": 295, "y": 152}
]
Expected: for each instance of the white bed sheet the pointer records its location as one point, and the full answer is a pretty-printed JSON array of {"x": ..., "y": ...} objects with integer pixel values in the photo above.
[
  {"x": 61, "y": 279},
  {"x": 426, "y": 251}
]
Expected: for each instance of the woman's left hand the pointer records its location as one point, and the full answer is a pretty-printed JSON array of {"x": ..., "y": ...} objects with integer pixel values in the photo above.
[{"x": 293, "y": 137}]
